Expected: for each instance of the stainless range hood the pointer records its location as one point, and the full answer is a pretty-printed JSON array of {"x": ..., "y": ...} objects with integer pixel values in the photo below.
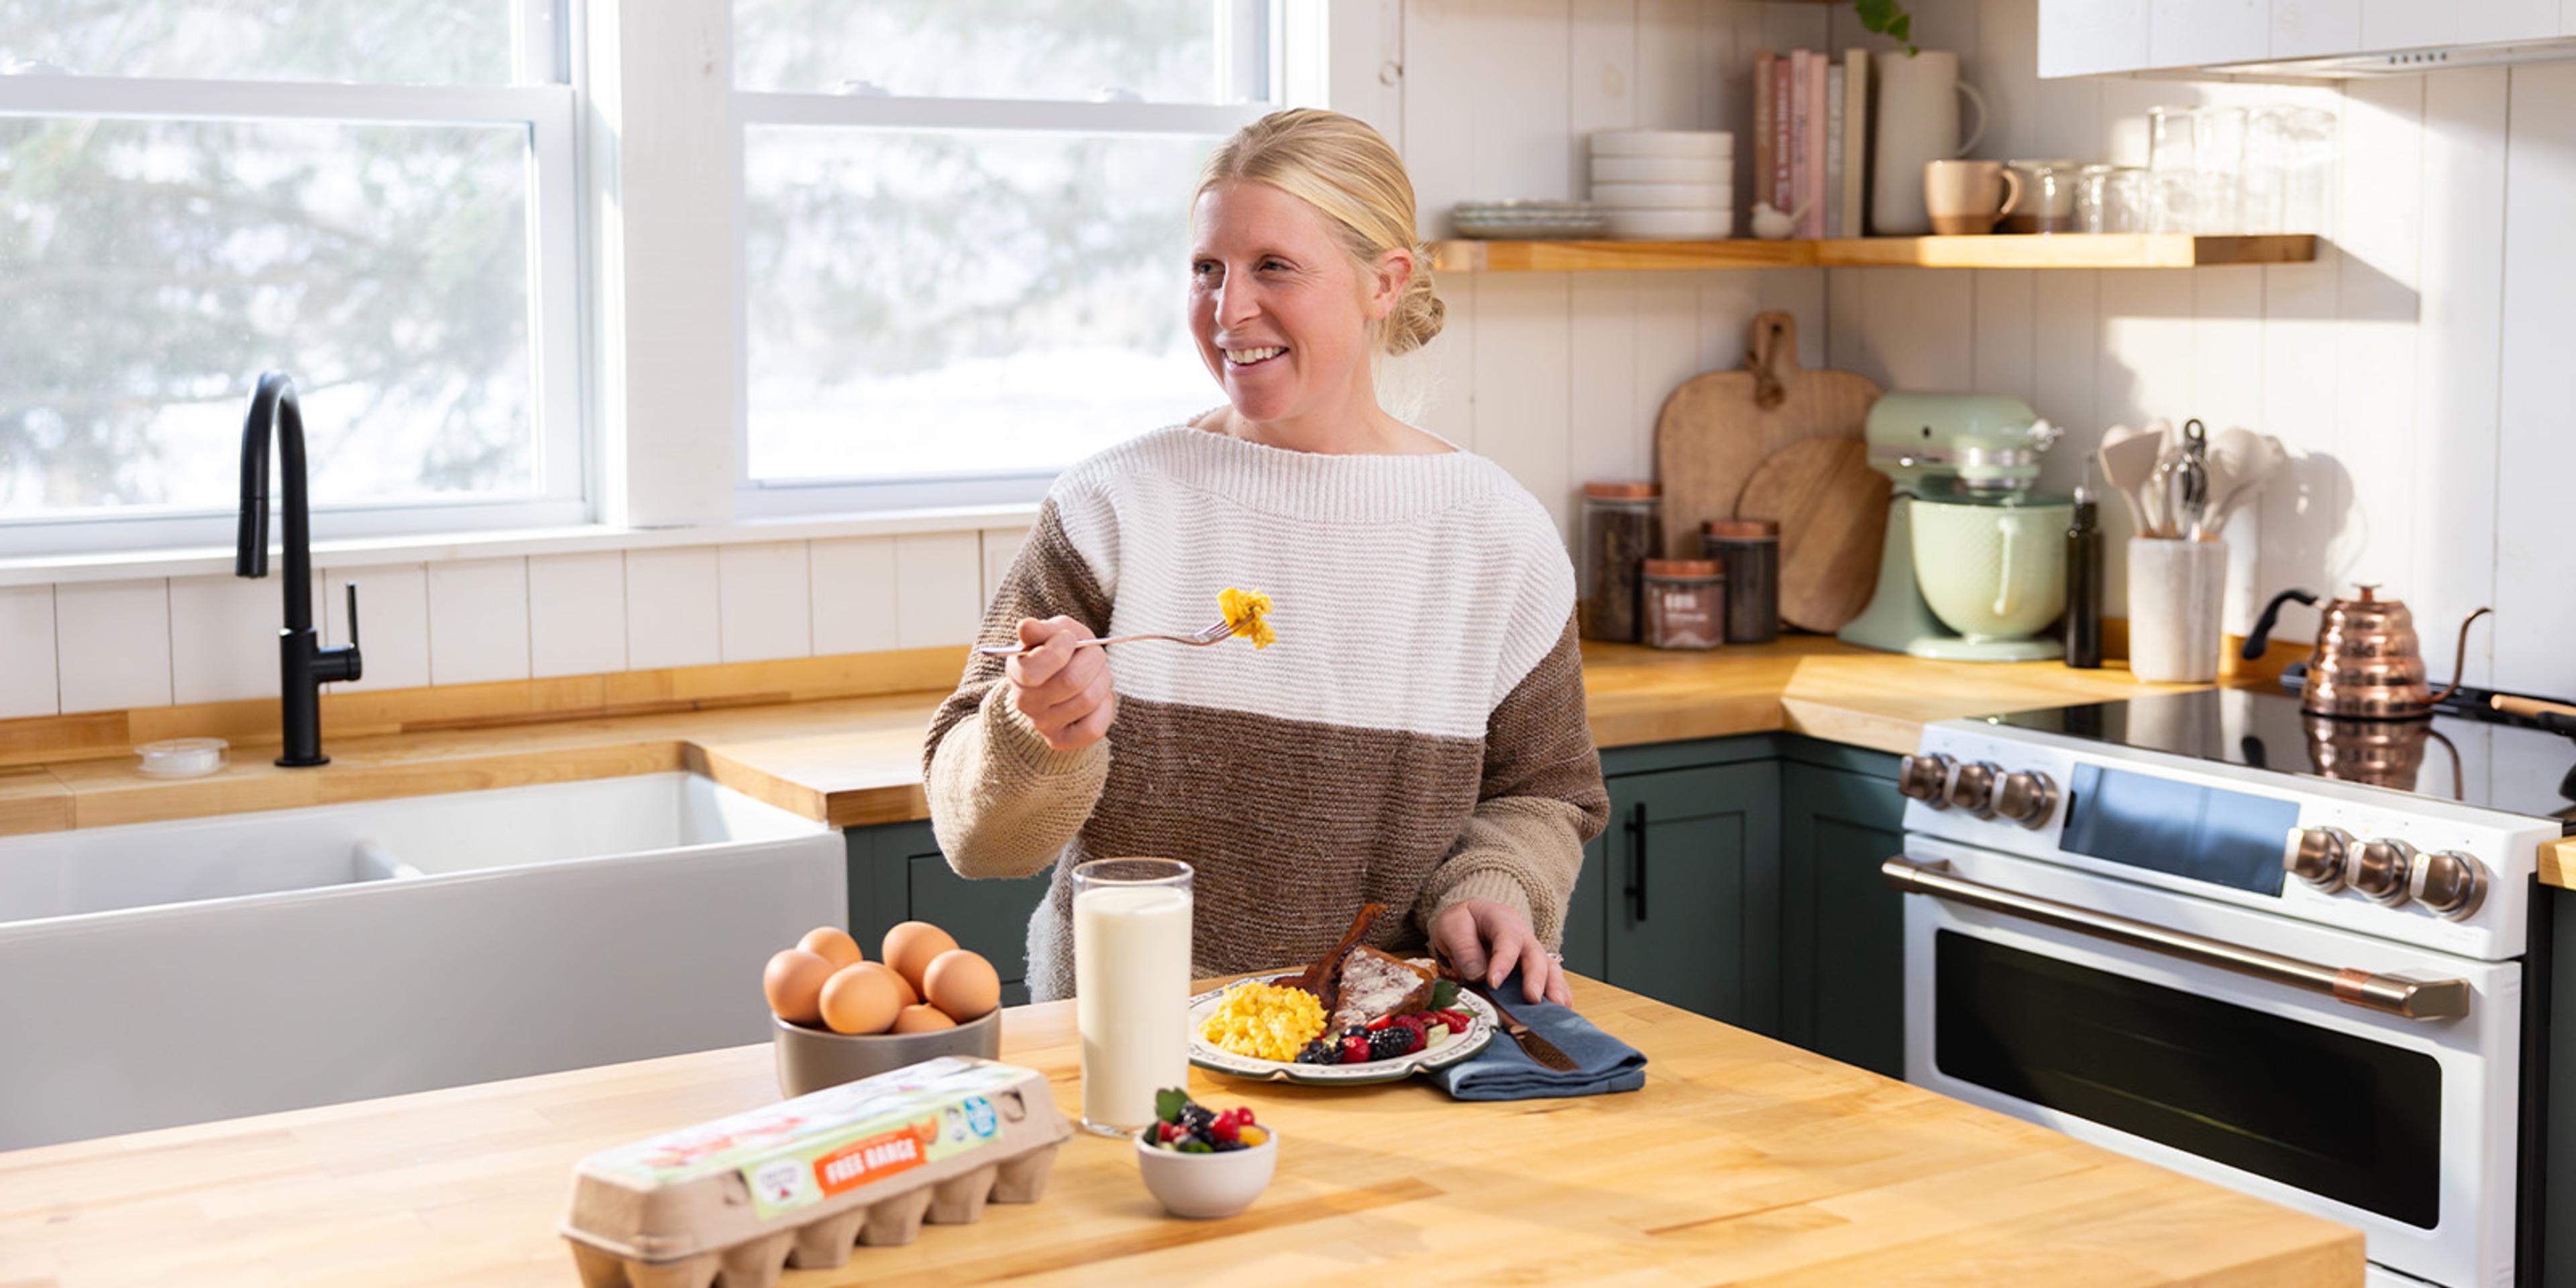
[{"x": 2408, "y": 62}]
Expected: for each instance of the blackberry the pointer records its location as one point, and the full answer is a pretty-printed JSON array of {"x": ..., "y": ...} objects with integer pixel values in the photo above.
[
  {"x": 1391, "y": 1041},
  {"x": 1196, "y": 1119},
  {"x": 1320, "y": 1051}
]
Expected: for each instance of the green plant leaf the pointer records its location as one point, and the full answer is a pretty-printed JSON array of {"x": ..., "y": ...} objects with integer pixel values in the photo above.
[{"x": 1889, "y": 19}]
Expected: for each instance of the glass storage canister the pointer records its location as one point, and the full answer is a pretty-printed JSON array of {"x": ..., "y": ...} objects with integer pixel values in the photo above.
[
  {"x": 1622, "y": 526},
  {"x": 1749, "y": 550},
  {"x": 1685, "y": 603}
]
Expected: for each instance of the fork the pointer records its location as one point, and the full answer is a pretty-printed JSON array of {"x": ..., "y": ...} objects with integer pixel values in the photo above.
[{"x": 1201, "y": 639}]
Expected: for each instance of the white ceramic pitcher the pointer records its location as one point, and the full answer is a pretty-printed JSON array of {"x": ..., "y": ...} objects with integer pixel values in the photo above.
[{"x": 1917, "y": 122}]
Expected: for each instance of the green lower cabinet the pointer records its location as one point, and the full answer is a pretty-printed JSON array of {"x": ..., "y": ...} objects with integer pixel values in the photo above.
[
  {"x": 1842, "y": 929},
  {"x": 898, "y": 874},
  {"x": 1692, "y": 890}
]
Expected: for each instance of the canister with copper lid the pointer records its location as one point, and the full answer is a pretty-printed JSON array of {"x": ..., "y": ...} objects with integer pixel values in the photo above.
[
  {"x": 1749, "y": 550},
  {"x": 1685, "y": 603},
  {"x": 1622, "y": 523}
]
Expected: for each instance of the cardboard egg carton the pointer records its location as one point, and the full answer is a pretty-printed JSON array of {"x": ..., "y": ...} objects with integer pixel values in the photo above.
[{"x": 798, "y": 1183}]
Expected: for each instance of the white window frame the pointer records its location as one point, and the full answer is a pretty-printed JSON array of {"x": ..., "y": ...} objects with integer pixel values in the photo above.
[
  {"x": 1285, "y": 49},
  {"x": 564, "y": 491}
]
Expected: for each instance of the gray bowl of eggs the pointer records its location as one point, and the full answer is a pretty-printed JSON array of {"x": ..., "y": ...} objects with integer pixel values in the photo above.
[{"x": 838, "y": 1017}]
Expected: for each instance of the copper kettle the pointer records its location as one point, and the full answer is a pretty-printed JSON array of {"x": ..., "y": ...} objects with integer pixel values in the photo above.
[{"x": 2367, "y": 664}]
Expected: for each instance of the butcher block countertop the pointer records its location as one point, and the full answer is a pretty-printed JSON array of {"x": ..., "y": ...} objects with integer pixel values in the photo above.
[
  {"x": 1743, "y": 1161},
  {"x": 856, "y": 761}
]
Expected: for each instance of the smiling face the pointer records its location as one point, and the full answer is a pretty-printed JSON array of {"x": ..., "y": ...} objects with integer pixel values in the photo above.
[{"x": 1280, "y": 311}]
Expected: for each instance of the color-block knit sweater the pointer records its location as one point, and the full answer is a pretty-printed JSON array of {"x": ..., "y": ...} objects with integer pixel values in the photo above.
[{"x": 1416, "y": 737}]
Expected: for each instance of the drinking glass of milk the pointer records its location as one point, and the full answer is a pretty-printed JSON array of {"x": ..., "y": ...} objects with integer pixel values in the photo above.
[{"x": 1131, "y": 986}]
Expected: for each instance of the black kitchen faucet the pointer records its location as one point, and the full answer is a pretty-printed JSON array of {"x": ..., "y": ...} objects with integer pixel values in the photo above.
[{"x": 303, "y": 665}]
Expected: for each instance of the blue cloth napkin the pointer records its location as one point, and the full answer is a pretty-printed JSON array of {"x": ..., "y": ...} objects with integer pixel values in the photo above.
[{"x": 1502, "y": 1071}]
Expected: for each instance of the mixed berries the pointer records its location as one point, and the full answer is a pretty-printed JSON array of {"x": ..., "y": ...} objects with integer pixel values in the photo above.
[
  {"x": 1385, "y": 1038},
  {"x": 1185, "y": 1126}
]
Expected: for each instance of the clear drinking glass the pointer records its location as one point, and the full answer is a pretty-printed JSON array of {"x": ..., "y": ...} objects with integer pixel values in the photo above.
[
  {"x": 2309, "y": 173},
  {"x": 2111, "y": 199},
  {"x": 2172, "y": 132},
  {"x": 2047, "y": 202},
  {"x": 1131, "y": 986},
  {"x": 2173, "y": 201},
  {"x": 2218, "y": 153}
]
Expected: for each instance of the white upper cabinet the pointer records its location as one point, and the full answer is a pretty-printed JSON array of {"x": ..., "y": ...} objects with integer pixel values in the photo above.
[{"x": 2091, "y": 37}]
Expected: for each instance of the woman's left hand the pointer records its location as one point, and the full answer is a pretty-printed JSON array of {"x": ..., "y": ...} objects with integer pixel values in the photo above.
[{"x": 1487, "y": 939}]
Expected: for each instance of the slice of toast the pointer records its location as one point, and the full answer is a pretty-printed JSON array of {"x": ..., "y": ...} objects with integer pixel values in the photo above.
[{"x": 1376, "y": 984}]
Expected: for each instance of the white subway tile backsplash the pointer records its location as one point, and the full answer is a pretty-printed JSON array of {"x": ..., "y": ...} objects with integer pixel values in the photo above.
[
  {"x": 112, "y": 644},
  {"x": 478, "y": 621},
  {"x": 223, "y": 637},
  {"x": 938, "y": 588},
  {"x": 27, "y": 686},
  {"x": 765, "y": 594},
  {"x": 852, "y": 582},
  {"x": 672, "y": 606},
  {"x": 577, "y": 613},
  {"x": 393, "y": 624},
  {"x": 1001, "y": 546}
]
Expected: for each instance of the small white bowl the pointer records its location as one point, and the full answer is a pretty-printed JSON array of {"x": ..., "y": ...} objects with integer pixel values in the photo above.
[
  {"x": 1207, "y": 1186},
  {"x": 1664, "y": 196}
]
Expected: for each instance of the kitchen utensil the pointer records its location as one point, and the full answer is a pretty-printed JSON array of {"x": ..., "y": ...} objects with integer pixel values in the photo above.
[
  {"x": 2369, "y": 663},
  {"x": 2186, "y": 480},
  {"x": 810, "y": 1059},
  {"x": 1531, "y": 1040},
  {"x": 1917, "y": 122},
  {"x": 1832, "y": 511},
  {"x": 1719, "y": 427},
  {"x": 2249, "y": 475},
  {"x": 1207, "y": 1186},
  {"x": 1968, "y": 197},
  {"x": 2128, "y": 457},
  {"x": 1965, "y": 525},
  {"x": 1200, "y": 639},
  {"x": 1482, "y": 1024},
  {"x": 2174, "y": 590}
]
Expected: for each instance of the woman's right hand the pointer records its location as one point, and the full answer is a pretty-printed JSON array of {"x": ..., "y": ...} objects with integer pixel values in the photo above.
[{"x": 1062, "y": 690}]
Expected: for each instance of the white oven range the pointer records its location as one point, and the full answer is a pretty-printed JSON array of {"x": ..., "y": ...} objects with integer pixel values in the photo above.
[{"x": 2309, "y": 990}]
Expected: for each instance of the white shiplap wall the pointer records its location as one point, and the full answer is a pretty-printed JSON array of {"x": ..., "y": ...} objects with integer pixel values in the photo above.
[{"x": 2415, "y": 370}]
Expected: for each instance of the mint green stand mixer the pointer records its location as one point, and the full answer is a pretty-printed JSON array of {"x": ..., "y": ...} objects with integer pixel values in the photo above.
[{"x": 1975, "y": 562}]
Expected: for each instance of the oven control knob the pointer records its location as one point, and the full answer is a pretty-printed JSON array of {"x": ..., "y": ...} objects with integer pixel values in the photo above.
[
  {"x": 2027, "y": 798},
  {"x": 1972, "y": 787},
  {"x": 2381, "y": 869},
  {"x": 2316, "y": 855},
  {"x": 1926, "y": 778},
  {"x": 2448, "y": 882}
]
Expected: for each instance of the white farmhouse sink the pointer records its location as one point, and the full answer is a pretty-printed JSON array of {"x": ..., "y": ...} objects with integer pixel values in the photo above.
[{"x": 167, "y": 973}]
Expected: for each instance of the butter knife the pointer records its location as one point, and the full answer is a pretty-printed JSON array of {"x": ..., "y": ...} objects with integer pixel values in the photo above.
[{"x": 1531, "y": 1040}]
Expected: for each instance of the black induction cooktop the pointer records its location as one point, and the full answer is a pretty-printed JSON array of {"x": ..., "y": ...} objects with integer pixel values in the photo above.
[{"x": 2499, "y": 766}]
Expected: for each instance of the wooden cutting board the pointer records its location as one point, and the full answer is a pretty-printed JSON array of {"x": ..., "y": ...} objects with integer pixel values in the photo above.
[
  {"x": 1717, "y": 428},
  {"x": 1832, "y": 511}
]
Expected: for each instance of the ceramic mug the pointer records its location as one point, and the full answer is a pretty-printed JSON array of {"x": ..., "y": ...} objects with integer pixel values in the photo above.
[{"x": 1969, "y": 196}]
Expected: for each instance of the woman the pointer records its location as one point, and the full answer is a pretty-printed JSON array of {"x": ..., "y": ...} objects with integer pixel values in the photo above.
[{"x": 1416, "y": 737}]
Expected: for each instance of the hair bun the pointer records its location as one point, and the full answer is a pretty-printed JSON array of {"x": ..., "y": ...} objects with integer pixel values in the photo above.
[{"x": 1417, "y": 316}]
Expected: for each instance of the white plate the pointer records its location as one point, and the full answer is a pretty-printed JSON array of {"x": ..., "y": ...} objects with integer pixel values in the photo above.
[
  {"x": 1615, "y": 169},
  {"x": 1208, "y": 1055},
  {"x": 1671, "y": 225},
  {"x": 1662, "y": 143},
  {"x": 1664, "y": 196}
]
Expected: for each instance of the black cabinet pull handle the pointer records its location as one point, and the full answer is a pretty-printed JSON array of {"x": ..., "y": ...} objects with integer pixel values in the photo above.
[{"x": 1637, "y": 860}]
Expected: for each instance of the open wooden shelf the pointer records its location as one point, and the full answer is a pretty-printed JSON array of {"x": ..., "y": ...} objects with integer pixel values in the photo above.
[{"x": 2065, "y": 250}]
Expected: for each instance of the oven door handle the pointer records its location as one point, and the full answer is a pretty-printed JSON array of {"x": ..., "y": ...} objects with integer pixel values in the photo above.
[{"x": 2415, "y": 999}]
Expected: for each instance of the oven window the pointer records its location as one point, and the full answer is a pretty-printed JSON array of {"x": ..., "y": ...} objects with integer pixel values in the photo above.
[{"x": 2329, "y": 1113}]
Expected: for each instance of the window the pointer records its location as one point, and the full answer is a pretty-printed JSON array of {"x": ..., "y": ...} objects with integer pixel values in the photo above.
[
  {"x": 964, "y": 234},
  {"x": 377, "y": 198}
]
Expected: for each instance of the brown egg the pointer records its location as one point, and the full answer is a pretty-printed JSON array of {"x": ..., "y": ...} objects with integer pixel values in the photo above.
[
  {"x": 794, "y": 983},
  {"x": 922, "y": 1019},
  {"x": 861, "y": 999},
  {"x": 910, "y": 946},
  {"x": 963, "y": 984},
  {"x": 832, "y": 944}
]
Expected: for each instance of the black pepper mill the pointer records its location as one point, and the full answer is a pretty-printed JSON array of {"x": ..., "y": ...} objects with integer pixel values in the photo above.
[{"x": 2084, "y": 580}]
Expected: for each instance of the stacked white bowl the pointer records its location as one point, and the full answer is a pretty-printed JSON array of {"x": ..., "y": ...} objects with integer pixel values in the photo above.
[{"x": 1665, "y": 185}]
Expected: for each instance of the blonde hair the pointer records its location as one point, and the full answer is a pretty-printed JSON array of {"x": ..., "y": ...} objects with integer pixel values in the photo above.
[{"x": 1349, "y": 174}]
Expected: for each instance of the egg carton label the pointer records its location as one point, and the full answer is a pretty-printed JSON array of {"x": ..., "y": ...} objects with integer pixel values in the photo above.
[{"x": 836, "y": 1164}]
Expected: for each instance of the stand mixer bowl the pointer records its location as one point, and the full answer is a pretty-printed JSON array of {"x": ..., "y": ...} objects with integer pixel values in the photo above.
[{"x": 1992, "y": 570}]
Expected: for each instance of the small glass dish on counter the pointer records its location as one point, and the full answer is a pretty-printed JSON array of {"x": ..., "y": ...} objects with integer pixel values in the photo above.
[{"x": 182, "y": 757}]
